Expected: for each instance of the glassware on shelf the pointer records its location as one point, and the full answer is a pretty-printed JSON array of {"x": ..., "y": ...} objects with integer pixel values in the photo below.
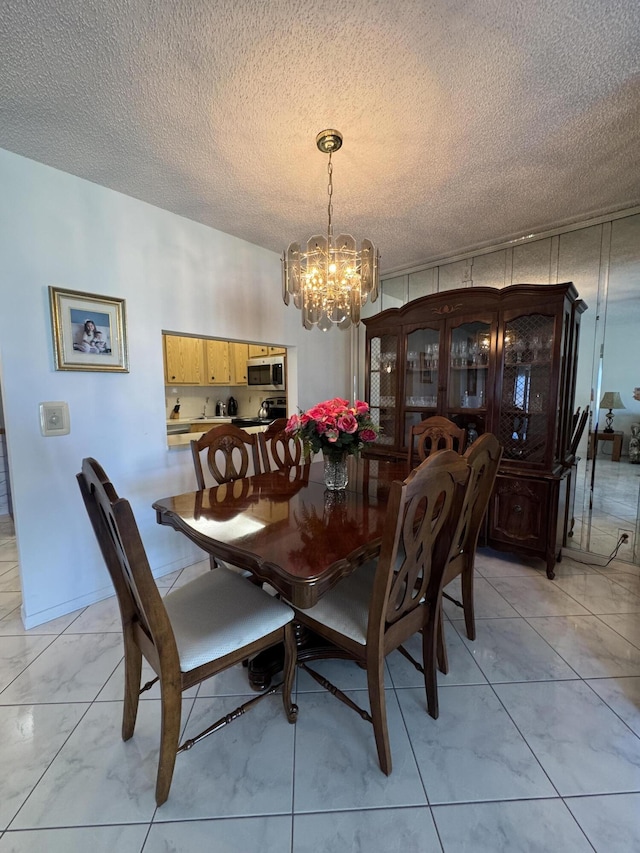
[{"x": 472, "y": 433}]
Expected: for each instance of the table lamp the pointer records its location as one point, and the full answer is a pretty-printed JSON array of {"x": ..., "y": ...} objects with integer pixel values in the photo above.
[{"x": 611, "y": 400}]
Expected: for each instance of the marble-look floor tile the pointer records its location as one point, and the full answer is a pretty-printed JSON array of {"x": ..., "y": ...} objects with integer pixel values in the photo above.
[
  {"x": 73, "y": 668},
  {"x": 12, "y": 624},
  {"x": 510, "y": 650},
  {"x": 610, "y": 823},
  {"x": 628, "y": 580},
  {"x": 625, "y": 624},
  {"x": 336, "y": 761},
  {"x": 600, "y": 594},
  {"x": 16, "y": 653},
  {"x": 488, "y": 603},
  {"x": 99, "y": 618},
  {"x": 537, "y": 596},
  {"x": 344, "y": 674},
  {"x": 567, "y": 567},
  {"x": 192, "y": 572},
  {"x": 462, "y": 667},
  {"x": 97, "y": 839},
  {"x": 410, "y": 829},
  {"x": 9, "y": 551},
  {"x": 9, "y": 601},
  {"x": 30, "y": 735},
  {"x": 534, "y": 826},
  {"x": 580, "y": 742},
  {"x": 10, "y": 581},
  {"x": 589, "y": 646},
  {"x": 622, "y": 695},
  {"x": 97, "y": 778},
  {"x": 473, "y": 751},
  {"x": 7, "y": 566},
  {"x": 501, "y": 564},
  {"x": 169, "y": 579},
  {"x": 246, "y": 768},
  {"x": 232, "y": 835}
]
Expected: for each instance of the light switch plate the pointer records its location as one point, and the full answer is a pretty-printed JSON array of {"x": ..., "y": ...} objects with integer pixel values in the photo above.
[{"x": 54, "y": 418}]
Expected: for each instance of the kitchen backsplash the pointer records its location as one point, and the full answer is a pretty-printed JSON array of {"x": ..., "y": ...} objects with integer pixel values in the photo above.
[{"x": 196, "y": 401}]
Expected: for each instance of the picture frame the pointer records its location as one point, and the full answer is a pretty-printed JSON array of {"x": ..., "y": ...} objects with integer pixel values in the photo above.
[{"x": 89, "y": 331}]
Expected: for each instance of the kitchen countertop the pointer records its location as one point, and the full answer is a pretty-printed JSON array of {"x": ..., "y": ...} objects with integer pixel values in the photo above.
[
  {"x": 219, "y": 420},
  {"x": 184, "y": 439}
]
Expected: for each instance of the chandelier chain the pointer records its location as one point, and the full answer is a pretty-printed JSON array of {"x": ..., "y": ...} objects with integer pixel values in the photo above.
[{"x": 330, "y": 191}]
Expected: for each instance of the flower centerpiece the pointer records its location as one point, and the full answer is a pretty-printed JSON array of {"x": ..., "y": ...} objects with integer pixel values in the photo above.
[{"x": 336, "y": 429}]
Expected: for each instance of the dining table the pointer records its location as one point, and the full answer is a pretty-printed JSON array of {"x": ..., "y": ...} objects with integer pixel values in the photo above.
[{"x": 286, "y": 528}]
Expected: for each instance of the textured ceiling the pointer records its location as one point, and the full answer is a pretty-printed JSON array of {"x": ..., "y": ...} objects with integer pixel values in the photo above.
[{"x": 464, "y": 122}]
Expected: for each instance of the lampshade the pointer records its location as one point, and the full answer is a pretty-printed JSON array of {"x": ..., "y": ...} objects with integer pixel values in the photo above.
[
  {"x": 333, "y": 278},
  {"x": 611, "y": 400}
]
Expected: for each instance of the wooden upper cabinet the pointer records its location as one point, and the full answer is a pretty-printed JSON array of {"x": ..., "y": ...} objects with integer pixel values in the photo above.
[
  {"x": 218, "y": 365},
  {"x": 183, "y": 360},
  {"x": 277, "y": 350},
  {"x": 238, "y": 355},
  {"x": 258, "y": 350}
]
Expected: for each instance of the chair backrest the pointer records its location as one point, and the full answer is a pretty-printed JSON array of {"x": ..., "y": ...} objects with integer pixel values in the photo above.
[
  {"x": 280, "y": 450},
  {"x": 232, "y": 453},
  {"x": 433, "y": 434},
  {"x": 141, "y": 607},
  {"x": 483, "y": 458},
  {"x": 421, "y": 518}
]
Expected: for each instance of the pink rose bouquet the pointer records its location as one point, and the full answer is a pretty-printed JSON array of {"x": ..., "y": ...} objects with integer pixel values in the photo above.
[{"x": 335, "y": 427}]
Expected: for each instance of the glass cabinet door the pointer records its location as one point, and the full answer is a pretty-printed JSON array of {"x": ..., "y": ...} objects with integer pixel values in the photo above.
[
  {"x": 383, "y": 382},
  {"x": 468, "y": 368},
  {"x": 421, "y": 377},
  {"x": 527, "y": 379}
]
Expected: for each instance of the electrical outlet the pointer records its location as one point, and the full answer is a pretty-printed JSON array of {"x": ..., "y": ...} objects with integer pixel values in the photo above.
[{"x": 628, "y": 542}]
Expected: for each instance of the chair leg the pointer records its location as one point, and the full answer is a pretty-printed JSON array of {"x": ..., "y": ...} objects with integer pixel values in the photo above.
[
  {"x": 169, "y": 738},
  {"x": 429, "y": 641},
  {"x": 443, "y": 658},
  {"x": 375, "y": 683},
  {"x": 132, "y": 675},
  {"x": 290, "y": 659},
  {"x": 467, "y": 600}
]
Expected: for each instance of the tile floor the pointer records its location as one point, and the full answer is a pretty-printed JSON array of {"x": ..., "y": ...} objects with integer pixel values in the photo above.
[
  {"x": 537, "y": 746},
  {"x": 615, "y": 506}
]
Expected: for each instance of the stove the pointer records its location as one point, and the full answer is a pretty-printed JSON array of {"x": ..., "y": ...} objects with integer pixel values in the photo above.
[
  {"x": 245, "y": 422},
  {"x": 277, "y": 408}
]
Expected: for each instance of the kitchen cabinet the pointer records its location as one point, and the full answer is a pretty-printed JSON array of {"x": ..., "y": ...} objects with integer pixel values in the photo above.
[
  {"x": 217, "y": 359},
  {"x": 238, "y": 354},
  {"x": 183, "y": 360},
  {"x": 277, "y": 350},
  {"x": 258, "y": 350},
  {"x": 494, "y": 359}
]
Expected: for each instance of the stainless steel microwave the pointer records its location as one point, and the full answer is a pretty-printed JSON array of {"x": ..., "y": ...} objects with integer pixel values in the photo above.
[{"x": 267, "y": 374}]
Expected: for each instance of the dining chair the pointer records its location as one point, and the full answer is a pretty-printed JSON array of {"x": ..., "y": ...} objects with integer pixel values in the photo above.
[
  {"x": 385, "y": 601},
  {"x": 280, "y": 450},
  {"x": 433, "y": 434},
  {"x": 204, "y": 627},
  {"x": 231, "y": 453},
  {"x": 483, "y": 459}
]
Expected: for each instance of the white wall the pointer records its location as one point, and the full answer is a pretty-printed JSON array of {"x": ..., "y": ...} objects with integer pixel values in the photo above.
[{"x": 56, "y": 229}]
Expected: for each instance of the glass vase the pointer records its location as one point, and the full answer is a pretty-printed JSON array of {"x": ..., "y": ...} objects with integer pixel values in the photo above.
[{"x": 335, "y": 470}]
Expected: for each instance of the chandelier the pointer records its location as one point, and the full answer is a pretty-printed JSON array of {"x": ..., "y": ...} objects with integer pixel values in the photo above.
[{"x": 332, "y": 279}]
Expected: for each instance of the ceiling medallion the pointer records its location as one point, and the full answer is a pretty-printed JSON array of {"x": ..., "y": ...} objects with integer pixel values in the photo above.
[{"x": 332, "y": 279}]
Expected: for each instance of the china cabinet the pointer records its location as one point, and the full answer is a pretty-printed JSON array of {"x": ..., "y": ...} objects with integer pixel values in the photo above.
[{"x": 490, "y": 359}]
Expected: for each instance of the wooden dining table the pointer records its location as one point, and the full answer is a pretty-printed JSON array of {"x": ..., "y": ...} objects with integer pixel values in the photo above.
[{"x": 286, "y": 528}]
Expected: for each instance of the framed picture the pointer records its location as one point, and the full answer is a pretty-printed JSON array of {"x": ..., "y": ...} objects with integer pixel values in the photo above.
[{"x": 89, "y": 331}]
